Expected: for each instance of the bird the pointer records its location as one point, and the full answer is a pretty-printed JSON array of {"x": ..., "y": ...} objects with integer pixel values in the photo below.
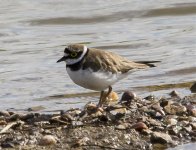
[{"x": 98, "y": 69}]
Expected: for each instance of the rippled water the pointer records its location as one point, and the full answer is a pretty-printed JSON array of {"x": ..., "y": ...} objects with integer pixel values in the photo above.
[{"x": 33, "y": 35}]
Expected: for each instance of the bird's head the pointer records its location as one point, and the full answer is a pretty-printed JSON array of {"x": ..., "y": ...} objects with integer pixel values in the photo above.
[{"x": 73, "y": 53}]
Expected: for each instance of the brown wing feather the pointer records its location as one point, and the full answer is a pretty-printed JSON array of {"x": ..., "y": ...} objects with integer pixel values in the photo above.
[{"x": 112, "y": 62}]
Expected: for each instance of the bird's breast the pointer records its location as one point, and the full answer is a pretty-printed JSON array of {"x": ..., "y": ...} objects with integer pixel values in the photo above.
[{"x": 97, "y": 81}]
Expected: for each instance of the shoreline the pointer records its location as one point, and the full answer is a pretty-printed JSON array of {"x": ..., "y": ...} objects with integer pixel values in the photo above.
[{"x": 132, "y": 123}]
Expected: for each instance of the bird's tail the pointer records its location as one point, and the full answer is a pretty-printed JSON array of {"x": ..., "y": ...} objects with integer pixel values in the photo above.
[{"x": 148, "y": 63}]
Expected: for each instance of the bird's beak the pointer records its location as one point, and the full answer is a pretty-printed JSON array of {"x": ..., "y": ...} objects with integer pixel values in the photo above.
[{"x": 62, "y": 59}]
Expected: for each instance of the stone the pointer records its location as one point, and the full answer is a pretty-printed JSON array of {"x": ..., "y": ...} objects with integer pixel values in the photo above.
[
  {"x": 47, "y": 140},
  {"x": 127, "y": 97},
  {"x": 111, "y": 99},
  {"x": 162, "y": 138},
  {"x": 36, "y": 108},
  {"x": 174, "y": 94},
  {"x": 175, "y": 109},
  {"x": 170, "y": 121},
  {"x": 122, "y": 126},
  {"x": 193, "y": 124},
  {"x": 193, "y": 88},
  {"x": 139, "y": 126},
  {"x": 4, "y": 113}
]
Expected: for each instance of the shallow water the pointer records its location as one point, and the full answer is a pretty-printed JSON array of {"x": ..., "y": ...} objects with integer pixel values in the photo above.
[{"x": 33, "y": 35}]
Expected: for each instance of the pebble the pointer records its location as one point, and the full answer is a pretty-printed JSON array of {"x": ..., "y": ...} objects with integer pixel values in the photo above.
[
  {"x": 36, "y": 108},
  {"x": 174, "y": 94},
  {"x": 139, "y": 126},
  {"x": 127, "y": 97},
  {"x": 193, "y": 88},
  {"x": 47, "y": 140},
  {"x": 175, "y": 109},
  {"x": 122, "y": 126},
  {"x": 162, "y": 138},
  {"x": 4, "y": 113},
  {"x": 111, "y": 99},
  {"x": 171, "y": 121}
]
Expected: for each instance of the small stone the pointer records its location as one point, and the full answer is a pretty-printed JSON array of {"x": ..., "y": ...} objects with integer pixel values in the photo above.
[
  {"x": 81, "y": 142},
  {"x": 27, "y": 116},
  {"x": 193, "y": 124},
  {"x": 154, "y": 122},
  {"x": 146, "y": 131},
  {"x": 4, "y": 113},
  {"x": 139, "y": 126},
  {"x": 119, "y": 111},
  {"x": 193, "y": 88},
  {"x": 175, "y": 109},
  {"x": 188, "y": 128},
  {"x": 174, "y": 94},
  {"x": 171, "y": 121},
  {"x": 150, "y": 98},
  {"x": 127, "y": 97},
  {"x": 36, "y": 108},
  {"x": 67, "y": 117},
  {"x": 13, "y": 117},
  {"x": 7, "y": 145},
  {"x": 122, "y": 126},
  {"x": 192, "y": 119},
  {"x": 47, "y": 140},
  {"x": 111, "y": 99},
  {"x": 3, "y": 122},
  {"x": 162, "y": 138},
  {"x": 90, "y": 108}
]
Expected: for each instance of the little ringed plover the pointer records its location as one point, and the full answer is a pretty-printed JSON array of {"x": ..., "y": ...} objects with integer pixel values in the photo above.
[{"x": 97, "y": 69}]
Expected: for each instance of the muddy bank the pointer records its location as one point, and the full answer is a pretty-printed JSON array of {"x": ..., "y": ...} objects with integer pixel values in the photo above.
[{"x": 132, "y": 123}]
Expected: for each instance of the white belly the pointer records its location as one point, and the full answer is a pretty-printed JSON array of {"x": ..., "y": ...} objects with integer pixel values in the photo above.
[{"x": 97, "y": 81}]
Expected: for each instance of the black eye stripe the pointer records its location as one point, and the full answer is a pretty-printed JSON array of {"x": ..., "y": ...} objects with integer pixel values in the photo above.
[{"x": 67, "y": 51}]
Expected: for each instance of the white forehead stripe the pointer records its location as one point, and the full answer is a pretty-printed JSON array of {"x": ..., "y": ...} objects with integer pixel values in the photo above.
[{"x": 73, "y": 61}]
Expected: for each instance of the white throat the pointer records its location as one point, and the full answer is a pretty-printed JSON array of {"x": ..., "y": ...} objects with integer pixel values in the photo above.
[{"x": 74, "y": 61}]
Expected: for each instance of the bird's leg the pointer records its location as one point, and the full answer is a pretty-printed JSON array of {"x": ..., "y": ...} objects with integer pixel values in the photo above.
[
  {"x": 109, "y": 91},
  {"x": 101, "y": 99}
]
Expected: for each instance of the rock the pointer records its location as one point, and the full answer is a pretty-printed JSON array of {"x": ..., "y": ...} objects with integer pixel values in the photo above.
[
  {"x": 7, "y": 145},
  {"x": 81, "y": 142},
  {"x": 188, "y": 128},
  {"x": 127, "y": 97},
  {"x": 191, "y": 109},
  {"x": 13, "y": 117},
  {"x": 193, "y": 124},
  {"x": 47, "y": 140},
  {"x": 162, "y": 138},
  {"x": 174, "y": 94},
  {"x": 3, "y": 122},
  {"x": 193, "y": 88},
  {"x": 139, "y": 126},
  {"x": 122, "y": 126},
  {"x": 4, "y": 113},
  {"x": 146, "y": 131},
  {"x": 170, "y": 121},
  {"x": 175, "y": 109},
  {"x": 192, "y": 119},
  {"x": 154, "y": 122},
  {"x": 150, "y": 98},
  {"x": 27, "y": 116},
  {"x": 111, "y": 99},
  {"x": 36, "y": 108},
  {"x": 67, "y": 117},
  {"x": 90, "y": 108}
]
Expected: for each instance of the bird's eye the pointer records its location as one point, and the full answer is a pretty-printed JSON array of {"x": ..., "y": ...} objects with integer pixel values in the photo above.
[{"x": 73, "y": 54}]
